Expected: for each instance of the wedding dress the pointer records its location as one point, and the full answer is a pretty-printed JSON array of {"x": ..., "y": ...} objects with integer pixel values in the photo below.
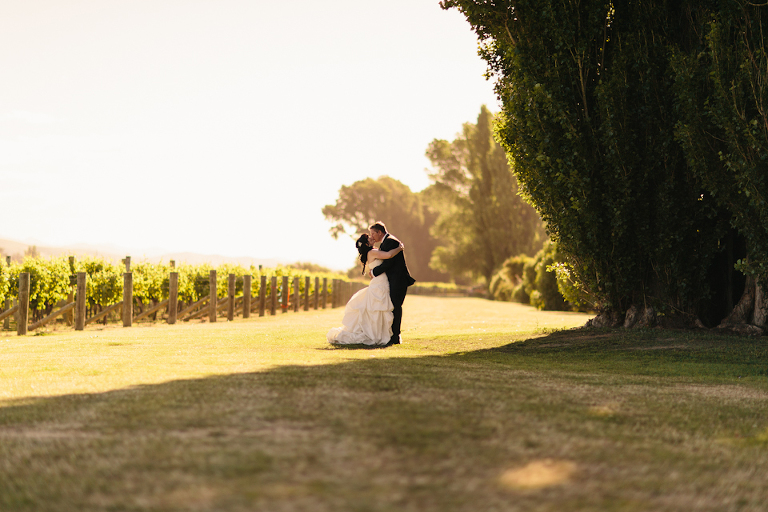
[{"x": 367, "y": 316}]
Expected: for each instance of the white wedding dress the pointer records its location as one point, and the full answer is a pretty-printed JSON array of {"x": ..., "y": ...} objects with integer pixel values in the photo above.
[{"x": 367, "y": 316}]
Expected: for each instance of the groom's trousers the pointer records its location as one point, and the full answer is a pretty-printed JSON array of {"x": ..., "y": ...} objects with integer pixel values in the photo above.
[{"x": 398, "y": 297}]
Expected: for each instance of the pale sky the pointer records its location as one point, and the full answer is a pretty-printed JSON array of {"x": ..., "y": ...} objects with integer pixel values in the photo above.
[{"x": 220, "y": 126}]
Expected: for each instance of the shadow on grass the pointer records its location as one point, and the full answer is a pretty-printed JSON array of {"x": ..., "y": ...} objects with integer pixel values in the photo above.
[
  {"x": 423, "y": 433},
  {"x": 642, "y": 352},
  {"x": 358, "y": 346}
]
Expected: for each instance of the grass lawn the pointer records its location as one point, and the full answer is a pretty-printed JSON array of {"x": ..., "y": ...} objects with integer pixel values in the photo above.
[{"x": 486, "y": 406}]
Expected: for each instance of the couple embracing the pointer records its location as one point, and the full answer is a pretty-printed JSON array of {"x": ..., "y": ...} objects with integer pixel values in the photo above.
[{"x": 373, "y": 315}]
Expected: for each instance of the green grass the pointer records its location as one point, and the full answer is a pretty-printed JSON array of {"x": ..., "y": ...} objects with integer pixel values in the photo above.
[{"x": 487, "y": 406}]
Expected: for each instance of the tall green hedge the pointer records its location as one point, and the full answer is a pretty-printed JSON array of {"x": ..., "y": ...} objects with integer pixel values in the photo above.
[{"x": 639, "y": 131}]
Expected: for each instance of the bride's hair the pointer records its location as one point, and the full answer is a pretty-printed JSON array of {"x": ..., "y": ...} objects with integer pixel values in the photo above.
[{"x": 364, "y": 246}]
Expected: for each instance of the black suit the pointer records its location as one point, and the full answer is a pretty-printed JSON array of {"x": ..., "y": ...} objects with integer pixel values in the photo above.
[{"x": 399, "y": 280}]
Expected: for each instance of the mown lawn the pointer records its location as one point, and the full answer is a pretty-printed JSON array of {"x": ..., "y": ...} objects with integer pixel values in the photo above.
[{"x": 487, "y": 406}]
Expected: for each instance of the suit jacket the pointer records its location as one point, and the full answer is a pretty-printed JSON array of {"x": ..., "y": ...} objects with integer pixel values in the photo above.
[{"x": 395, "y": 268}]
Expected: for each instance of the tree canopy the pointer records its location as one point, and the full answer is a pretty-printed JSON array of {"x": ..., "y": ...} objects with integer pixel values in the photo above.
[
  {"x": 638, "y": 131},
  {"x": 482, "y": 220},
  {"x": 403, "y": 211}
]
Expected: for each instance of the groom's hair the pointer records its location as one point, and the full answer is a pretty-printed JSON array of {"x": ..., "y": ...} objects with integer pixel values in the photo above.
[{"x": 378, "y": 226}]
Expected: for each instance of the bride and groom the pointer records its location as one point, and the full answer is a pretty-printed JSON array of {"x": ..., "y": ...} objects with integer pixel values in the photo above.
[{"x": 373, "y": 315}]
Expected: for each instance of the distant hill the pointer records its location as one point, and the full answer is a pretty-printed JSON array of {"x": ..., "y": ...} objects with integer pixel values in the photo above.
[{"x": 17, "y": 250}]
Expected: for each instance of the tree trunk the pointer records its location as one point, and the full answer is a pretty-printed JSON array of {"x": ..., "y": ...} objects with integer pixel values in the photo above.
[
  {"x": 742, "y": 312},
  {"x": 749, "y": 315},
  {"x": 605, "y": 319},
  {"x": 761, "y": 305}
]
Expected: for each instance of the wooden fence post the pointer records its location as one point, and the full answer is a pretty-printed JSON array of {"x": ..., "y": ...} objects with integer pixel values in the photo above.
[
  {"x": 173, "y": 296},
  {"x": 127, "y": 299},
  {"x": 80, "y": 302},
  {"x": 212, "y": 302},
  {"x": 306, "y": 293},
  {"x": 325, "y": 292},
  {"x": 231, "y": 294},
  {"x": 7, "y": 321},
  {"x": 295, "y": 294},
  {"x": 22, "y": 316},
  {"x": 127, "y": 261},
  {"x": 273, "y": 296},
  {"x": 247, "y": 296},
  {"x": 262, "y": 295},
  {"x": 335, "y": 294},
  {"x": 284, "y": 295},
  {"x": 317, "y": 292},
  {"x": 69, "y": 316}
]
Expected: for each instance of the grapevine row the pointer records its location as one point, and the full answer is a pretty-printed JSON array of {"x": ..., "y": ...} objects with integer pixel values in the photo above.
[{"x": 52, "y": 282}]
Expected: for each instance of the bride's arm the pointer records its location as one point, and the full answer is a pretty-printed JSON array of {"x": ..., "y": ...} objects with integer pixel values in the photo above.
[{"x": 385, "y": 255}]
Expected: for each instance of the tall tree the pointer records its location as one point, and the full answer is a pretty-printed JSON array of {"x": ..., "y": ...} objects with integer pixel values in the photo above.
[
  {"x": 588, "y": 119},
  {"x": 722, "y": 91},
  {"x": 403, "y": 211},
  {"x": 483, "y": 221}
]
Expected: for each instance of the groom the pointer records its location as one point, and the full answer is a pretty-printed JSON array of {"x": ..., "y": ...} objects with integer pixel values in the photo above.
[{"x": 397, "y": 275}]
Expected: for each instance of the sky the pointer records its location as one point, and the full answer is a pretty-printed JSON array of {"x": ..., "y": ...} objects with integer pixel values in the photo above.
[{"x": 221, "y": 126}]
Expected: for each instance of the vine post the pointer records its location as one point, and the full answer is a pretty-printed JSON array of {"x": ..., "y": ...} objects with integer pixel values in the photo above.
[
  {"x": 69, "y": 316},
  {"x": 212, "y": 301},
  {"x": 231, "y": 295},
  {"x": 127, "y": 297},
  {"x": 336, "y": 293},
  {"x": 246, "y": 296},
  {"x": 80, "y": 302},
  {"x": 273, "y": 296},
  {"x": 284, "y": 297},
  {"x": 22, "y": 316},
  {"x": 295, "y": 294},
  {"x": 7, "y": 321},
  {"x": 325, "y": 292},
  {"x": 173, "y": 295},
  {"x": 306, "y": 293},
  {"x": 263, "y": 295}
]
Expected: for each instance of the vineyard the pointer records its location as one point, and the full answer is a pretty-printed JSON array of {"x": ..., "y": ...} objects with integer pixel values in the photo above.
[{"x": 153, "y": 287}]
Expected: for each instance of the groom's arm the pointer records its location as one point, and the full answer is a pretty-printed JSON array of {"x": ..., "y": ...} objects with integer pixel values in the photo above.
[{"x": 389, "y": 244}]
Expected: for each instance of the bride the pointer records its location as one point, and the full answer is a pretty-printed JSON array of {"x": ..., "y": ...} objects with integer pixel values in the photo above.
[{"x": 368, "y": 314}]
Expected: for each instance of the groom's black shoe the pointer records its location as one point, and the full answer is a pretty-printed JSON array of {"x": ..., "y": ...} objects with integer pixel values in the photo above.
[{"x": 394, "y": 340}]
